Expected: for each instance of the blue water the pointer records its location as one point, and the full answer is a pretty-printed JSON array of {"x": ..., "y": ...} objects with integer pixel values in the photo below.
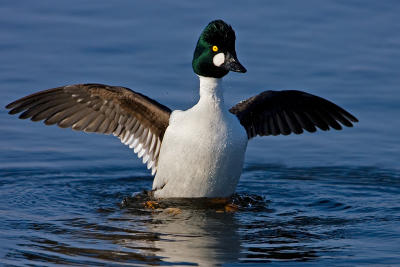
[{"x": 329, "y": 198}]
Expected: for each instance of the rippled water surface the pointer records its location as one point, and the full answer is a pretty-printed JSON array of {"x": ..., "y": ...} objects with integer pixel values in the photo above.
[{"x": 330, "y": 198}]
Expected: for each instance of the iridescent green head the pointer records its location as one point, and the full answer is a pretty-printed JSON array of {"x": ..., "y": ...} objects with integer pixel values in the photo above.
[{"x": 215, "y": 53}]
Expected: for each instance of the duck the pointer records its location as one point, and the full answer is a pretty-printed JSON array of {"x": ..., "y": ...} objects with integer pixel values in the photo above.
[{"x": 193, "y": 153}]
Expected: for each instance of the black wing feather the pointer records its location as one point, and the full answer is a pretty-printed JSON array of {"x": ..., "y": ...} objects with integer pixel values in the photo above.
[{"x": 290, "y": 111}]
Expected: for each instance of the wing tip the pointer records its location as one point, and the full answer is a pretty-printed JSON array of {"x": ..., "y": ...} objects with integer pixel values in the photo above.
[
  {"x": 13, "y": 107},
  {"x": 10, "y": 105},
  {"x": 353, "y": 119},
  {"x": 13, "y": 111},
  {"x": 24, "y": 116}
]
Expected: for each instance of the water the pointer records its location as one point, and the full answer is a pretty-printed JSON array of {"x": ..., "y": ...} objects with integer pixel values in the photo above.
[{"x": 328, "y": 198}]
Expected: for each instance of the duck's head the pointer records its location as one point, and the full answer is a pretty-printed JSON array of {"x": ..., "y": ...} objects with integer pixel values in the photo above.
[{"x": 215, "y": 53}]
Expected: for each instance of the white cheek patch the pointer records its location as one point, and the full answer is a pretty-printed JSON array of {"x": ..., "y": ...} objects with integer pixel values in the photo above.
[{"x": 219, "y": 59}]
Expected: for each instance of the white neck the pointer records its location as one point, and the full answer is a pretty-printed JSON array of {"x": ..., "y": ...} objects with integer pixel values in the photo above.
[{"x": 211, "y": 88}]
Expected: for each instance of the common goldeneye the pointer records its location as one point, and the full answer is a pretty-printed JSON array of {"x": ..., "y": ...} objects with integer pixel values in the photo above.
[{"x": 198, "y": 152}]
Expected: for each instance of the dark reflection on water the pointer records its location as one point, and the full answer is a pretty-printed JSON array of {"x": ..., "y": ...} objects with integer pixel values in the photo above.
[{"x": 297, "y": 214}]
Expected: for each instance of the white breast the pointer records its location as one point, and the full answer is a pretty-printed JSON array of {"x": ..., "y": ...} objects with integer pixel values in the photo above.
[{"x": 202, "y": 152}]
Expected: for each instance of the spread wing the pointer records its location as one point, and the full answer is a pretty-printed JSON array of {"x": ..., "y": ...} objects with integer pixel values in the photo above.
[
  {"x": 285, "y": 112},
  {"x": 137, "y": 120}
]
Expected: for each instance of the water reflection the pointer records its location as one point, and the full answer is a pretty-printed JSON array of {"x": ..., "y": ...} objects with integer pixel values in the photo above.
[
  {"x": 204, "y": 238},
  {"x": 192, "y": 232},
  {"x": 198, "y": 233}
]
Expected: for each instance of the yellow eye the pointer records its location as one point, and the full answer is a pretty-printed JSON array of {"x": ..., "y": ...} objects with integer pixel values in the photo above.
[{"x": 215, "y": 48}]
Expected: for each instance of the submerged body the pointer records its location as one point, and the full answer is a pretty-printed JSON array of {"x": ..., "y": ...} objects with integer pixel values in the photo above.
[{"x": 203, "y": 148}]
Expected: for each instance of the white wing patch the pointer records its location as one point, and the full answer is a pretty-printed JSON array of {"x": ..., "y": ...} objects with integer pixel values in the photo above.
[{"x": 139, "y": 138}]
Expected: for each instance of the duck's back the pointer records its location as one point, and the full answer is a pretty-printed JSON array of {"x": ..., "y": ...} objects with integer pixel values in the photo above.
[{"x": 202, "y": 153}]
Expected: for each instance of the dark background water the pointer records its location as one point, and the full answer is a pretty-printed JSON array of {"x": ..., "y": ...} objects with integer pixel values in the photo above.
[{"x": 331, "y": 198}]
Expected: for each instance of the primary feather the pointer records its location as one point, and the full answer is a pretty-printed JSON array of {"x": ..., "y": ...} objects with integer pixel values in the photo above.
[{"x": 137, "y": 120}]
